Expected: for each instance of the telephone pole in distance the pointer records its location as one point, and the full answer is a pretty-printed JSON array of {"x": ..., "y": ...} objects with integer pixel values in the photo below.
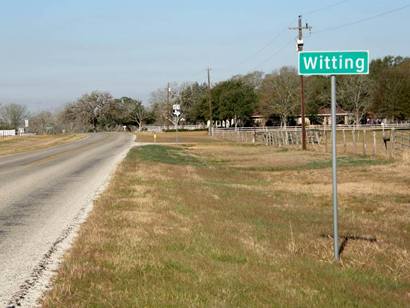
[
  {"x": 300, "y": 28},
  {"x": 210, "y": 102},
  {"x": 168, "y": 93}
]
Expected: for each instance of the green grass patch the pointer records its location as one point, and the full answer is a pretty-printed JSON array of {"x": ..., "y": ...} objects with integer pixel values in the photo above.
[
  {"x": 165, "y": 155},
  {"x": 346, "y": 161},
  {"x": 342, "y": 162}
]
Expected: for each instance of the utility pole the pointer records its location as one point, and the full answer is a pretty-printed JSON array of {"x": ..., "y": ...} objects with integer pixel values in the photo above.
[
  {"x": 168, "y": 93},
  {"x": 300, "y": 29},
  {"x": 210, "y": 102}
]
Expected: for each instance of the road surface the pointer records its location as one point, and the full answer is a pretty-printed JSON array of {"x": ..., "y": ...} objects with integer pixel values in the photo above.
[{"x": 43, "y": 197}]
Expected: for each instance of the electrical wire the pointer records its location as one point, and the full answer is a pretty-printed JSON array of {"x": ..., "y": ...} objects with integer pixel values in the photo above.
[
  {"x": 359, "y": 21},
  {"x": 273, "y": 40},
  {"x": 273, "y": 54},
  {"x": 283, "y": 31},
  {"x": 330, "y": 6}
]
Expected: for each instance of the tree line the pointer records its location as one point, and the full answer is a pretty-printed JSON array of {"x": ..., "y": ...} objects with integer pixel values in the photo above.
[
  {"x": 96, "y": 111},
  {"x": 383, "y": 94}
]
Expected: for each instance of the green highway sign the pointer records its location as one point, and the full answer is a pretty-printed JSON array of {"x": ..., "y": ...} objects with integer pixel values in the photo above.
[{"x": 333, "y": 63}]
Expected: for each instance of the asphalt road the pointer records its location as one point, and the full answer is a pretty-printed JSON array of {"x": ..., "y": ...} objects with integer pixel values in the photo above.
[{"x": 43, "y": 194}]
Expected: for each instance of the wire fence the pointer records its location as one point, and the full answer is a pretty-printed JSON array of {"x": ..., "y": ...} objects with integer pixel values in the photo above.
[{"x": 402, "y": 139}]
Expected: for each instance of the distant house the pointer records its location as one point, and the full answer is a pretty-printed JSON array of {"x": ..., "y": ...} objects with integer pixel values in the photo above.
[
  {"x": 258, "y": 119},
  {"x": 342, "y": 116},
  {"x": 324, "y": 117}
]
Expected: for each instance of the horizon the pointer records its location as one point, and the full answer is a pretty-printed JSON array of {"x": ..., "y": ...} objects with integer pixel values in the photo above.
[{"x": 55, "y": 52}]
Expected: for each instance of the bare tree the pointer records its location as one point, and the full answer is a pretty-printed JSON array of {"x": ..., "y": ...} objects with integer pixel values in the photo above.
[
  {"x": 90, "y": 112},
  {"x": 134, "y": 111},
  {"x": 355, "y": 94},
  {"x": 162, "y": 106},
  {"x": 253, "y": 79},
  {"x": 13, "y": 115},
  {"x": 279, "y": 94},
  {"x": 43, "y": 122},
  {"x": 138, "y": 115}
]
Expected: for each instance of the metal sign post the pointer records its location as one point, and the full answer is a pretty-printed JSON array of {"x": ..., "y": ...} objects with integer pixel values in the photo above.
[
  {"x": 332, "y": 63},
  {"x": 334, "y": 171},
  {"x": 176, "y": 129}
]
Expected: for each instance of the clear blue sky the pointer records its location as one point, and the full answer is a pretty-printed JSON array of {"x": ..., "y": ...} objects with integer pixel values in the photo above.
[{"x": 54, "y": 51}]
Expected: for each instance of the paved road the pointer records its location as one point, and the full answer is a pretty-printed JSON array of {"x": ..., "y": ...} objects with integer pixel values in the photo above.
[{"x": 42, "y": 195}]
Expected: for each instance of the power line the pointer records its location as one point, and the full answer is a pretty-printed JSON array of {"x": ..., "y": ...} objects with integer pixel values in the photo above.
[
  {"x": 263, "y": 48},
  {"x": 210, "y": 102},
  {"x": 330, "y": 6},
  {"x": 281, "y": 32},
  {"x": 363, "y": 19},
  {"x": 284, "y": 30},
  {"x": 273, "y": 54}
]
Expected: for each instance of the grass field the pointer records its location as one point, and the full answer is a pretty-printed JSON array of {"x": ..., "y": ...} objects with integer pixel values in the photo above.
[
  {"x": 171, "y": 137},
  {"x": 13, "y": 145},
  {"x": 210, "y": 223}
]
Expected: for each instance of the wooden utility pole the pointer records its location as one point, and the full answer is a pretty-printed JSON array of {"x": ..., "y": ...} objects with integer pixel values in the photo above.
[
  {"x": 168, "y": 93},
  {"x": 210, "y": 103},
  {"x": 300, "y": 29},
  {"x": 168, "y": 97}
]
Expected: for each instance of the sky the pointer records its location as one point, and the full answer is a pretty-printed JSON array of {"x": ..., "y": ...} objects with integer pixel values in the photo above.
[{"x": 52, "y": 52}]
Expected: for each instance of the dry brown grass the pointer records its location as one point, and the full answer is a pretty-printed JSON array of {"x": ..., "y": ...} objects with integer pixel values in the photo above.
[
  {"x": 231, "y": 225},
  {"x": 171, "y": 137},
  {"x": 13, "y": 145}
]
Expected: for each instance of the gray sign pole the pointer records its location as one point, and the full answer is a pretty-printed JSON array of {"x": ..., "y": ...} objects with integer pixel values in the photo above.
[
  {"x": 334, "y": 171},
  {"x": 176, "y": 128}
]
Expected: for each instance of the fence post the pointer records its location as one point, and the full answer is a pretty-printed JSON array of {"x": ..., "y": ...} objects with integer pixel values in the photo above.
[
  {"x": 280, "y": 136},
  {"x": 364, "y": 142},
  {"x": 392, "y": 142},
  {"x": 325, "y": 141},
  {"x": 344, "y": 141},
  {"x": 317, "y": 138},
  {"x": 374, "y": 144},
  {"x": 354, "y": 141}
]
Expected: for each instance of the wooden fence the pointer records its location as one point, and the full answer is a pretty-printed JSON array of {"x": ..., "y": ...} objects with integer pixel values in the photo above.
[
  {"x": 7, "y": 133},
  {"x": 370, "y": 141}
]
